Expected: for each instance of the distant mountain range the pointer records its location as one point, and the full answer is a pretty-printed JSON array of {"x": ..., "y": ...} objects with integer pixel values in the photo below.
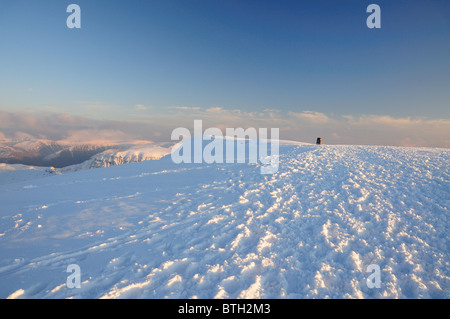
[{"x": 47, "y": 153}]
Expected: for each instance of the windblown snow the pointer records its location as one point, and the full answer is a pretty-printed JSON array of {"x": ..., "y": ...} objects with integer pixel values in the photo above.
[{"x": 156, "y": 229}]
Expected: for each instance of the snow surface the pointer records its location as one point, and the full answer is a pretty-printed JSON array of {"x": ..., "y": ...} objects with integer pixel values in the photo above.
[
  {"x": 155, "y": 229},
  {"x": 13, "y": 173}
]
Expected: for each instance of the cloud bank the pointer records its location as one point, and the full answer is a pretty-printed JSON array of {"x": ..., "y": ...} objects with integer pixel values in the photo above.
[{"x": 303, "y": 126}]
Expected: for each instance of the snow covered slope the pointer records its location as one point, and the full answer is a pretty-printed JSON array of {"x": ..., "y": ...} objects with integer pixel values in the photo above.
[
  {"x": 118, "y": 157},
  {"x": 13, "y": 173},
  {"x": 155, "y": 229}
]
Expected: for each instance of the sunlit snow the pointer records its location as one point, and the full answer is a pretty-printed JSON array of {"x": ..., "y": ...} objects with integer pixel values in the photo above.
[{"x": 156, "y": 229}]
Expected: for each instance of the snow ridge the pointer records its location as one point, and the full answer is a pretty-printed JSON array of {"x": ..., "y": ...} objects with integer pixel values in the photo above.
[{"x": 118, "y": 157}]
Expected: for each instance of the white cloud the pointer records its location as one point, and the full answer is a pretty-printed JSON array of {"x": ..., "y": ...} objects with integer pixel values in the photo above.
[
  {"x": 141, "y": 107},
  {"x": 97, "y": 136},
  {"x": 311, "y": 117},
  {"x": 186, "y": 108}
]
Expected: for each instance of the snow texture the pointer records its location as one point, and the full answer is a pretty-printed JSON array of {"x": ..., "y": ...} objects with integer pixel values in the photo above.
[{"x": 156, "y": 229}]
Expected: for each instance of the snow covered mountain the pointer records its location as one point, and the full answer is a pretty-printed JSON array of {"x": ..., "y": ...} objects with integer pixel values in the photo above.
[
  {"x": 118, "y": 157},
  {"x": 156, "y": 229},
  {"x": 47, "y": 153},
  {"x": 10, "y": 173}
]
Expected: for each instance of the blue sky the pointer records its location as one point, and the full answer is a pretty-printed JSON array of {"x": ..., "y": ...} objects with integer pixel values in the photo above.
[{"x": 133, "y": 58}]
